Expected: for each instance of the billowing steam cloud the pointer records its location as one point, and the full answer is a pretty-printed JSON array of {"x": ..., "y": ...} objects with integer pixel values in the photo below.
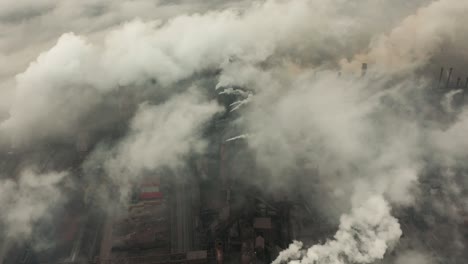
[
  {"x": 160, "y": 136},
  {"x": 292, "y": 67},
  {"x": 363, "y": 237},
  {"x": 28, "y": 200},
  {"x": 77, "y": 71}
]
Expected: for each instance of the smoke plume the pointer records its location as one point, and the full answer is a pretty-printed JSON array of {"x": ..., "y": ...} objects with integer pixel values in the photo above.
[
  {"x": 161, "y": 135},
  {"x": 28, "y": 200},
  {"x": 363, "y": 237}
]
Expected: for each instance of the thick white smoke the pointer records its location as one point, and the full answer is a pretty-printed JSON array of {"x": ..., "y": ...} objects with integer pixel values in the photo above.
[
  {"x": 28, "y": 200},
  {"x": 351, "y": 130},
  {"x": 161, "y": 136},
  {"x": 364, "y": 236},
  {"x": 338, "y": 126},
  {"x": 68, "y": 80},
  {"x": 76, "y": 70}
]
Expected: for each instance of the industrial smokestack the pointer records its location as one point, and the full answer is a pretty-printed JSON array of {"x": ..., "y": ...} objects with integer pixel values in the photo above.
[
  {"x": 219, "y": 253},
  {"x": 440, "y": 77},
  {"x": 448, "y": 78},
  {"x": 363, "y": 69}
]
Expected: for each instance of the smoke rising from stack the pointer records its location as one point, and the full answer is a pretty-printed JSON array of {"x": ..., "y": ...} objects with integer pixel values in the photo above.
[
  {"x": 363, "y": 237},
  {"x": 370, "y": 139}
]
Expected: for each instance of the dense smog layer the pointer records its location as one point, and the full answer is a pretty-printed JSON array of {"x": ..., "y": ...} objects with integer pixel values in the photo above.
[{"x": 216, "y": 131}]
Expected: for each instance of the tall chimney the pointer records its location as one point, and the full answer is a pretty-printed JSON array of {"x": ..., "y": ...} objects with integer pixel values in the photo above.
[
  {"x": 448, "y": 78},
  {"x": 458, "y": 82},
  {"x": 363, "y": 69},
  {"x": 440, "y": 77}
]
